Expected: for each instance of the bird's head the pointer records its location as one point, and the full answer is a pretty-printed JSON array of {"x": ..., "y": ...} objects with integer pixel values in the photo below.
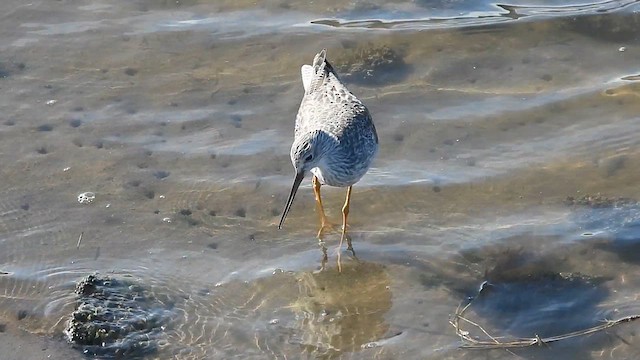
[{"x": 307, "y": 152}]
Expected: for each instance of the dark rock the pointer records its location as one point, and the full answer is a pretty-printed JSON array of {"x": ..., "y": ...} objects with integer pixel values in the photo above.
[
  {"x": 148, "y": 193},
  {"x": 130, "y": 71},
  {"x": 116, "y": 319},
  {"x": 22, "y": 314},
  {"x": 161, "y": 174}
]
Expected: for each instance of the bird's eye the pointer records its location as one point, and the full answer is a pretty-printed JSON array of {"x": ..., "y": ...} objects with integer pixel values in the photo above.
[{"x": 308, "y": 158}]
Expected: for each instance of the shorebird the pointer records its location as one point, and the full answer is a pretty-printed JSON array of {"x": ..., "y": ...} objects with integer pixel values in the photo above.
[{"x": 334, "y": 138}]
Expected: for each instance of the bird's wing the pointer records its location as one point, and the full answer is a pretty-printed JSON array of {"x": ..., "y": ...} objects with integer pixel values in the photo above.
[
  {"x": 307, "y": 75},
  {"x": 314, "y": 76},
  {"x": 321, "y": 85}
]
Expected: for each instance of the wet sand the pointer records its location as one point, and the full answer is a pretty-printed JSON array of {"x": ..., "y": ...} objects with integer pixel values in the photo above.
[
  {"x": 23, "y": 345},
  {"x": 179, "y": 117}
]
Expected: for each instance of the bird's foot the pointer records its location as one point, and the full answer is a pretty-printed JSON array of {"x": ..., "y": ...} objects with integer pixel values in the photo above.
[
  {"x": 345, "y": 236},
  {"x": 350, "y": 245}
]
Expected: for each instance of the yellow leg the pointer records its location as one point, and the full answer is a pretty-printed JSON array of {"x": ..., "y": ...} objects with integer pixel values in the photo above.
[
  {"x": 345, "y": 214},
  {"x": 324, "y": 223}
]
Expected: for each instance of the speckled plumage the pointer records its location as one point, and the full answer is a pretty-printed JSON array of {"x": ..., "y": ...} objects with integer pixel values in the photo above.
[
  {"x": 341, "y": 121},
  {"x": 334, "y": 137}
]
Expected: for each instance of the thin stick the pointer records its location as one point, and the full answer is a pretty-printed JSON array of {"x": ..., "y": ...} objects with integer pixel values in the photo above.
[{"x": 79, "y": 240}]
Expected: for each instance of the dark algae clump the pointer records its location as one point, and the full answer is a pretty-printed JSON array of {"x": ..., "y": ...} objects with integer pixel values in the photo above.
[
  {"x": 116, "y": 319},
  {"x": 371, "y": 65},
  {"x": 623, "y": 27},
  {"x": 598, "y": 201}
]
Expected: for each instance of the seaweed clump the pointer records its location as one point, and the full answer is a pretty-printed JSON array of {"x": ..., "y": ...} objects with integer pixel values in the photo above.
[
  {"x": 372, "y": 65},
  {"x": 598, "y": 201},
  {"x": 116, "y": 319},
  {"x": 614, "y": 26}
]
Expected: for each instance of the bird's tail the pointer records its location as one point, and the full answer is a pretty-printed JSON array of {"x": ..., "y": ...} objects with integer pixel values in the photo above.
[{"x": 313, "y": 76}]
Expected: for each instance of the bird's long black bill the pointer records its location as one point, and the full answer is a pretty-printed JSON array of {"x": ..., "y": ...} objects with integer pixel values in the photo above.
[{"x": 292, "y": 195}]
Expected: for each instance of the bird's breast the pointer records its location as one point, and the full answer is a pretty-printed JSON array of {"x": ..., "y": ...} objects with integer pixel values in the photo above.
[
  {"x": 318, "y": 173},
  {"x": 326, "y": 177},
  {"x": 339, "y": 177}
]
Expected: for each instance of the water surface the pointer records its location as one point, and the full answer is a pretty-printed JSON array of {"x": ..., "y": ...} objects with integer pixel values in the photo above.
[{"x": 179, "y": 117}]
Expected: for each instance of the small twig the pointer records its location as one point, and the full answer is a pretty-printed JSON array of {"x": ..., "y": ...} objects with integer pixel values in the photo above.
[
  {"x": 79, "y": 240},
  {"x": 481, "y": 329}
]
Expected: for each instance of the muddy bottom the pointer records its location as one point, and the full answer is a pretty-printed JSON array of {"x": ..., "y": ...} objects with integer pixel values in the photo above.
[{"x": 149, "y": 143}]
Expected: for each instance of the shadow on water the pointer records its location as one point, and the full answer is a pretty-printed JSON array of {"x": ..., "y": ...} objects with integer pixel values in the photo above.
[
  {"x": 531, "y": 292},
  {"x": 568, "y": 287},
  {"x": 541, "y": 303},
  {"x": 613, "y": 223}
]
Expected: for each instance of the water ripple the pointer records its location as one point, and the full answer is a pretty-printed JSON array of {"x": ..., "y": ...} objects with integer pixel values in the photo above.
[{"x": 473, "y": 18}]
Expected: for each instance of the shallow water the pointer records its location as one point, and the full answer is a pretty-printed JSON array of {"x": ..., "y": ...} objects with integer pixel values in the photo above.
[{"x": 179, "y": 117}]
